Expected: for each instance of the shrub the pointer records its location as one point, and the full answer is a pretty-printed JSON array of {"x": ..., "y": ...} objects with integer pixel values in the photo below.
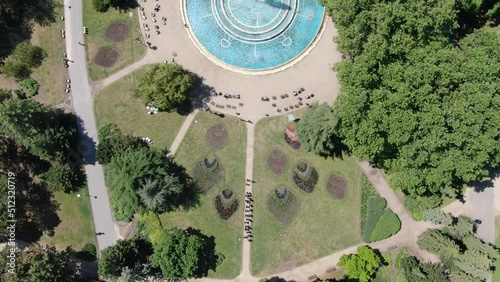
[
  {"x": 226, "y": 204},
  {"x": 217, "y": 136},
  {"x": 305, "y": 177},
  {"x": 376, "y": 207},
  {"x": 117, "y": 31},
  {"x": 387, "y": 225},
  {"x": 106, "y": 57},
  {"x": 208, "y": 173},
  {"x": 30, "y": 84},
  {"x": 87, "y": 253},
  {"x": 277, "y": 161},
  {"x": 336, "y": 186},
  {"x": 283, "y": 205},
  {"x": 367, "y": 192}
]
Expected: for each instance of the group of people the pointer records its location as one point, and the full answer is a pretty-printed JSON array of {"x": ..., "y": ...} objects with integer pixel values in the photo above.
[
  {"x": 296, "y": 93},
  {"x": 153, "y": 15},
  {"x": 248, "y": 214}
]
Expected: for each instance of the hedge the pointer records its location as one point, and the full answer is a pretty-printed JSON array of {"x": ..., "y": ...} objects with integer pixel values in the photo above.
[
  {"x": 376, "y": 207},
  {"x": 387, "y": 225},
  {"x": 367, "y": 192}
]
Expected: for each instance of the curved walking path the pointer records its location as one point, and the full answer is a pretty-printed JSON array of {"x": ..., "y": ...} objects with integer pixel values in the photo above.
[{"x": 82, "y": 103}]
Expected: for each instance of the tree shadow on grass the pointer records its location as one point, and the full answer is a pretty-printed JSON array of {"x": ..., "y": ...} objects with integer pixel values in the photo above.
[
  {"x": 190, "y": 196},
  {"x": 201, "y": 94}
]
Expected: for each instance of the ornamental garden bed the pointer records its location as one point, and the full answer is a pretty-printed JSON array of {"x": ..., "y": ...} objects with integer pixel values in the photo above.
[
  {"x": 277, "y": 161},
  {"x": 283, "y": 205},
  {"x": 336, "y": 186},
  {"x": 226, "y": 204},
  {"x": 208, "y": 173},
  {"x": 106, "y": 57},
  {"x": 117, "y": 31},
  {"x": 217, "y": 136},
  {"x": 305, "y": 177},
  {"x": 291, "y": 138}
]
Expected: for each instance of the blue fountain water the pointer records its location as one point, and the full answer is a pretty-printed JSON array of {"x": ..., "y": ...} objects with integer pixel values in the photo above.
[{"x": 255, "y": 34}]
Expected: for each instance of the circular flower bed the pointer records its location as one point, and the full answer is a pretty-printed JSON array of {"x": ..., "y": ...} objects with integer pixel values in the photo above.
[
  {"x": 208, "y": 173},
  {"x": 305, "y": 176},
  {"x": 226, "y": 204},
  {"x": 217, "y": 136},
  {"x": 336, "y": 186},
  {"x": 283, "y": 205},
  {"x": 291, "y": 138},
  {"x": 117, "y": 32},
  {"x": 106, "y": 57},
  {"x": 277, "y": 161}
]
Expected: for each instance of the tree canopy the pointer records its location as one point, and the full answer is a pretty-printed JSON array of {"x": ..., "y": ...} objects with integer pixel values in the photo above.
[
  {"x": 316, "y": 129},
  {"x": 166, "y": 86},
  {"x": 22, "y": 60},
  {"x": 361, "y": 266},
  {"x": 185, "y": 254},
  {"x": 125, "y": 253}
]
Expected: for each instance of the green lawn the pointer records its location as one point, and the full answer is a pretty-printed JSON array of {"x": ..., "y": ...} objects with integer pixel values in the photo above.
[
  {"x": 52, "y": 74},
  {"x": 118, "y": 104},
  {"x": 77, "y": 226},
  {"x": 228, "y": 234},
  {"x": 322, "y": 224},
  {"x": 97, "y": 23}
]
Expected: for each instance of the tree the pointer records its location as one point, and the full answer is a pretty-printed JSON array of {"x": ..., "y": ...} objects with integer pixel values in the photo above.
[
  {"x": 60, "y": 177},
  {"x": 361, "y": 266},
  {"x": 473, "y": 243},
  {"x": 317, "y": 128},
  {"x": 5, "y": 94},
  {"x": 40, "y": 264},
  {"x": 116, "y": 143},
  {"x": 101, "y": 5},
  {"x": 437, "y": 216},
  {"x": 125, "y": 253},
  {"x": 463, "y": 227},
  {"x": 416, "y": 271},
  {"x": 474, "y": 263},
  {"x": 434, "y": 241},
  {"x": 23, "y": 59},
  {"x": 183, "y": 254},
  {"x": 166, "y": 86},
  {"x": 160, "y": 195}
]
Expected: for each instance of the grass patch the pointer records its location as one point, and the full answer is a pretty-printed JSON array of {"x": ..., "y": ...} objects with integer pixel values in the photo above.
[
  {"x": 376, "y": 207},
  {"x": 77, "y": 226},
  {"x": 118, "y": 104},
  {"x": 228, "y": 233},
  {"x": 367, "y": 192},
  {"x": 321, "y": 225},
  {"x": 387, "y": 225},
  {"x": 129, "y": 50},
  {"x": 51, "y": 74}
]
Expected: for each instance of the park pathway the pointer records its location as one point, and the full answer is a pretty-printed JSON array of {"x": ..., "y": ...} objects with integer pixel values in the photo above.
[
  {"x": 83, "y": 106},
  {"x": 182, "y": 132},
  {"x": 146, "y": 60}
]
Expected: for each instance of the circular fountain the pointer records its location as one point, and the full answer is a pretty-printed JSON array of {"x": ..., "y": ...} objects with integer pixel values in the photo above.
[{"x": 253, "y": 36}]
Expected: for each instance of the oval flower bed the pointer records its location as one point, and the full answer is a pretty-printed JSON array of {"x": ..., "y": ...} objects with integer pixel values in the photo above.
[
  {"x": 117, "y": 32},
  {"x": 283, "y": 205},
  {"x": 305, "y": 176},
  {"x": 291, "y": 138},
  {"x": 277, "y": 161},
  {"x": 106, "y": 57},
  {"x": 336, "y": 186},
  {"x": 226, "y": 204},
  {"x": 208, "y": 173},
  {"x": 217, "y": 136}
]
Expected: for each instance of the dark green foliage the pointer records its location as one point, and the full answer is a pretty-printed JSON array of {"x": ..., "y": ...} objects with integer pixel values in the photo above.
[
  {"x": 185, "y": 254},
  {"x": 417, "y": 204},
  {"x": 367, "y": 192},
  {"x": 161, "y": 195},
  {"x": 100, "y": 5},
  {"x": 60, "y": 177},
  {"x": 317, "y": 128},
  {"x": 387, "y": 225},
  {"x": 283, "y": 204},
  {"x": 416, "y": 271},
  {"x": 463, "y": 227},
  {"x": 208, "y": 173},
  {"x": 5, "y": 94},
  {"x": 435, "y": 242},
  {"x": 376, "y": 207},
  {"x": 473, "y": 243},
  {"x": 125, "y": 253},
  {"x": 361, "y": 266},
  {"x": 167, "y": 85},
  {"x": 20, "y": 94},
  {"x": 22, "y": 60},
  {"x": 48, "y": 133},
  {"x": 87, "y": 253},
  {"x": 30, "y": 84},
  {"x": 110, "y": 146}
]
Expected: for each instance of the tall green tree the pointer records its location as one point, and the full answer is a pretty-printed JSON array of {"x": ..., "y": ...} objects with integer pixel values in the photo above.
[
  {"x": 316, "y": 129},
  {"x": 166, "y": 85},
  {"x": 22, "y": 60},
  {"x": 161, "y": 195},
  {"x": 125, "y": 253},
  {"x": 435, "y": 242},
  {"x": 438, "y": 216},
  {"x": 185, "y": 254},
  {"x": 361, "y": 266}
]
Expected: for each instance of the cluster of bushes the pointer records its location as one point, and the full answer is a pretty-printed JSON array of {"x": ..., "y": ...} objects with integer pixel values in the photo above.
[
  {"x": 226, "y": 204},
  {"x": 30, "y": 84},
  {"x": 336, "y": 186},
  {"x": 305, "y": 176},
  {"x": 217, "y": 136},
  {"x": 208, "y": 173},
  {"x": 367, "y": 192},
  {"x": 277, "y": 161},
  {"x": 379, "y": 223},
  {"x": 283, "y": 205},
  {"x": 87, "y": 253}
]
